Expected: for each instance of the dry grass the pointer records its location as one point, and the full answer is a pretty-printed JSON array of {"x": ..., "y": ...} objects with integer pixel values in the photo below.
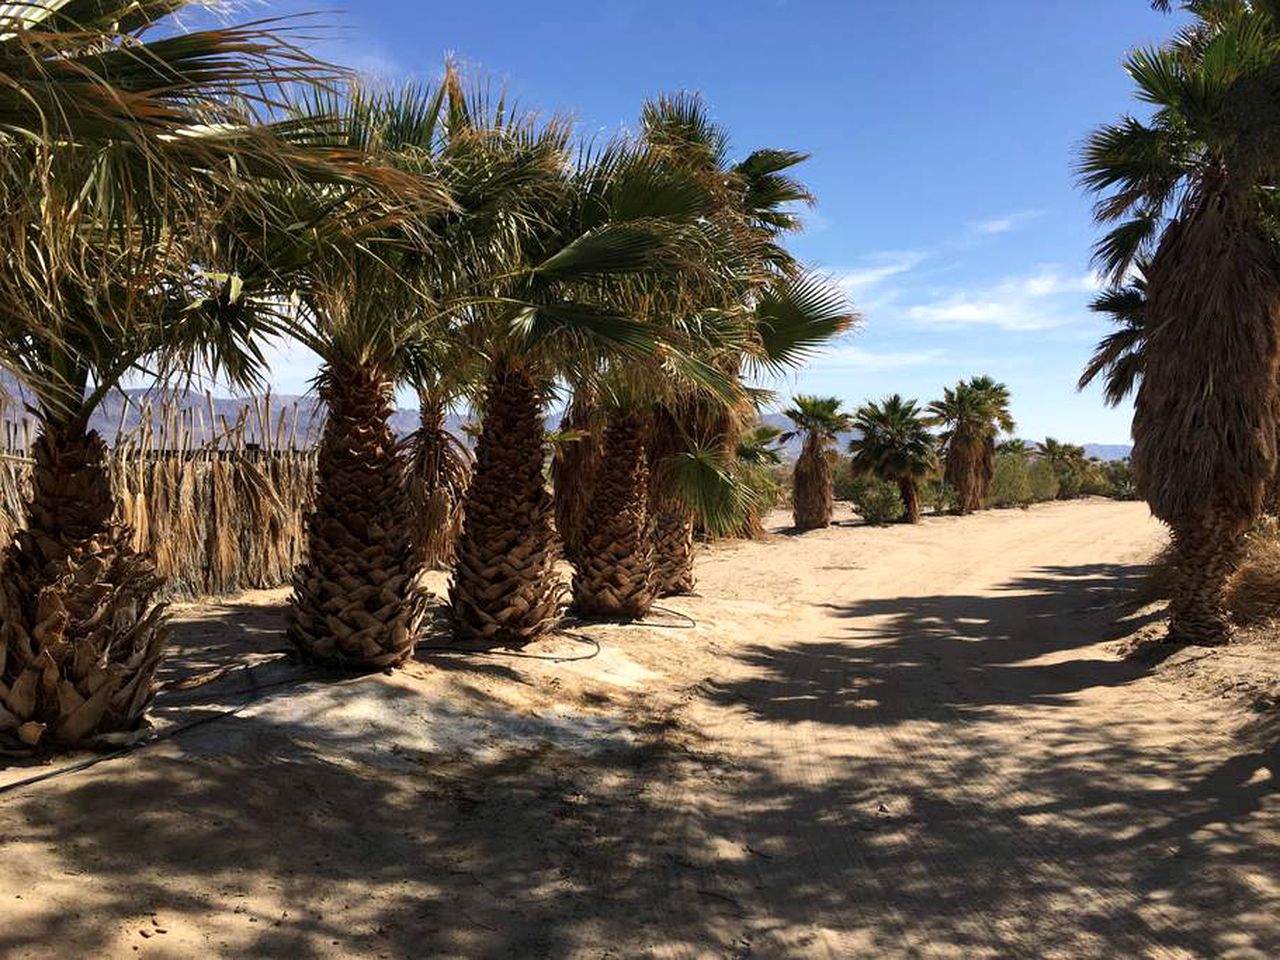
[{"x": 220, "y": 509}]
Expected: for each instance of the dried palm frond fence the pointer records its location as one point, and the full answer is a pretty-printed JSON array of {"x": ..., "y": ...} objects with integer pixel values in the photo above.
[{"x": 218, "y": 503}]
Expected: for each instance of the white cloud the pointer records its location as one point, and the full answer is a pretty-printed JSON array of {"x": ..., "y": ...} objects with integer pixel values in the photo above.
[
  {"x": 1038, "y": 301},
  {"x": 855, "y": 359},
  {"x": 875, "y": 269},
  {"x": 1005, "y": 223}
]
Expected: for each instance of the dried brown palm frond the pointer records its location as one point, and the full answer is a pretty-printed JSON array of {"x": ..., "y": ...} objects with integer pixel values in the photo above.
[
  {"x": 439, "y": 471},
  {"x": 1206, "y": 414},
  {"x": 574, "y": 465}
]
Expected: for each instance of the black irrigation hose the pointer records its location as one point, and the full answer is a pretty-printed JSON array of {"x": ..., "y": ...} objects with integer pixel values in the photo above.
[
  {"x": 688, "y": 624},
  {"x": 151, "y": 741},
  {"x": 515, "y": 654}
]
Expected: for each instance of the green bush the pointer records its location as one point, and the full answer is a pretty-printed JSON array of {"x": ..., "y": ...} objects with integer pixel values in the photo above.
[
  {"x": 1011, "y": 482},
  {"x": 1044, "y": 482},
  {"x": 843, "y": 485},
  {"x": 940, "y": 495},
  {"x": 877, "y": 501},
  {"x": 1119, "y": 477}
]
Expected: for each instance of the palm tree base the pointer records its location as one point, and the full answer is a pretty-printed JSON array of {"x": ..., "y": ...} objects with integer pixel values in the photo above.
[
  {"x": 673, "y": 547},
  {"x": 614, "y": 574},
  {"x": 80, "y": 632},
  {"x": 504, "y": 590},
  {"x": 357, "y": 603}
]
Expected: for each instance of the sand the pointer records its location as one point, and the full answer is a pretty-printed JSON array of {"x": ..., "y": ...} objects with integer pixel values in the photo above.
[{"x": 931, "y": 741}]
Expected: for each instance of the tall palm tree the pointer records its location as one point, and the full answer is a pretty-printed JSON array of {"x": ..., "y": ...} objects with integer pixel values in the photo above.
[
  {"x": 789, "y": 314},
  {"x": 818, "y": 420},
  {"x": 124, "y": 145},
  {"x": 893, "y": 443},
  {"x": 973, "y": 413},
  {"x": 621, "y": 223},
  {"x": 375, "y": 311},
  {"x": 1192, "y": 189}
]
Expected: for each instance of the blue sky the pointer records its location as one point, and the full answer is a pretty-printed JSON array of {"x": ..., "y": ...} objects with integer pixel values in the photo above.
[{"x": 942, "y": 137}]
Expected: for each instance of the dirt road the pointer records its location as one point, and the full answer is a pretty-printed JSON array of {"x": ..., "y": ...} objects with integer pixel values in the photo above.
[{"x": 853, "y": 742}]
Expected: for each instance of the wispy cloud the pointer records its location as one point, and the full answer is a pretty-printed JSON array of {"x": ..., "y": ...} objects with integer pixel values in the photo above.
[
  {"x": 1004, "y": 224},
  {"x": 854, "y": 359},
  {"x": 1040, "y": 300},
  {"x": 876, "y": 268}
]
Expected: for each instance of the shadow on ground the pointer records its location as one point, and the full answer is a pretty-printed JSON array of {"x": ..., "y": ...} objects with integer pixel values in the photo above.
[{"x": 932, "y": 838}]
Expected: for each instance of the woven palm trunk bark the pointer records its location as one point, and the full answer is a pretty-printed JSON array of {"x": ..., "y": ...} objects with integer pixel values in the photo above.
[
  {"x": 614, "y": 575},
  {"x": 910, "y": 494},
  {"x": 573, "y": 470},
  {"x": 812, "y": 497},
  {"x": 673, "y": 547},
  {"x": 357, "y": 603},
  {"x": 1204, "y": 556},
  {"x": 80, "y": 633},
  {"x": 504, "y": 589},
  {"x": 438, "y": 474}
]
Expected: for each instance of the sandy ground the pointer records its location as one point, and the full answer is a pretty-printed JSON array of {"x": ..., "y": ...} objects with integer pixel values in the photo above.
[{"x": 860, "y": 741}]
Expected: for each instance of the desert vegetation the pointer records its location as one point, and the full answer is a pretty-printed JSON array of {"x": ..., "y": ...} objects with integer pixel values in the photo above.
[{"x": 433, "y": 648}]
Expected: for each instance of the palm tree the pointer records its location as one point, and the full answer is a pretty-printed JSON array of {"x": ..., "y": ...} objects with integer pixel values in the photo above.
[
  {"x": 974, "y": 413},
  {"x": 1118, "y": 357},
  {"x": 785, "y": 313},
  {"x": 372, "y": 310},
  {"x": 819, "y": 420},
  {"x": 124, "y": 147},
  {"x": 621, "y": 224},
  {"x": 1192, "y": 189},
  {"x": 1069, "y": 464},
  {"x": 893, "y": 443}
]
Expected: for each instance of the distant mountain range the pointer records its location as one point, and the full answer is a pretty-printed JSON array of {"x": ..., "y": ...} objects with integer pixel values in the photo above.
[{"x": 124, "y": 410}]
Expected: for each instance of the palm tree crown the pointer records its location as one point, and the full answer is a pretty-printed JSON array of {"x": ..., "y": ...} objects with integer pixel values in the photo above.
[{"x": 893, "y": 441}]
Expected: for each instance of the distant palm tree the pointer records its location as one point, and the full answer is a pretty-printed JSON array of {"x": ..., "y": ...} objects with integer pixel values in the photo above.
[
  {"x": 818, "y": 420},
  {"x": 973, "y": 413},
  {"x": 894, "y": 444},
  {"x": 1118, "y": 357},
  {"x": 1193, "y": 189},
  {"x": 1069, "y": 463},
  {"x": 1014, "y": 446}
]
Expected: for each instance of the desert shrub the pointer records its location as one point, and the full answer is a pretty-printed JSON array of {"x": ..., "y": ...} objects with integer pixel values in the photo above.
[
  {"x": 940, "y": 496},
  {"x": 843, "y": 484},
  {"x": 1120, "y": 482},
  {"x": 1011, "y": 482},
  {"x": 1044, "y": 481},
  {"x": 876, "y": 501}
]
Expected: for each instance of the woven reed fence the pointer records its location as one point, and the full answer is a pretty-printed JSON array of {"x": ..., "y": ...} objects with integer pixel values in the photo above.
[{"x": 220, "y": 505}]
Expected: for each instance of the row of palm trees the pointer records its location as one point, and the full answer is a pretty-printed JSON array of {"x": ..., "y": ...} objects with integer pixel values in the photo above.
[
  {"x": 893, "y": 441},
  {"x": 1187, "y": 194},
  {"x": 174, "y": 201}
]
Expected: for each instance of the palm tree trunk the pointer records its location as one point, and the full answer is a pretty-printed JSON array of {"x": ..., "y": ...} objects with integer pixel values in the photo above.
[
  {"x": 356, "y": 602},
  {"x": 1205, "y": 555},
  {"x": 673, "y": 546},
  {"x": 504, "y": 587},
  {"x": 812, "y": 498},
  {"x": 80, "y": 632},
  {"x": 573, "y": 470},
  {"x": 962, "y": 472},
  {"x": 615, "y": 571},
  {"x": 910, "y": 500},
  {"x": 437, "y": 478}
]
